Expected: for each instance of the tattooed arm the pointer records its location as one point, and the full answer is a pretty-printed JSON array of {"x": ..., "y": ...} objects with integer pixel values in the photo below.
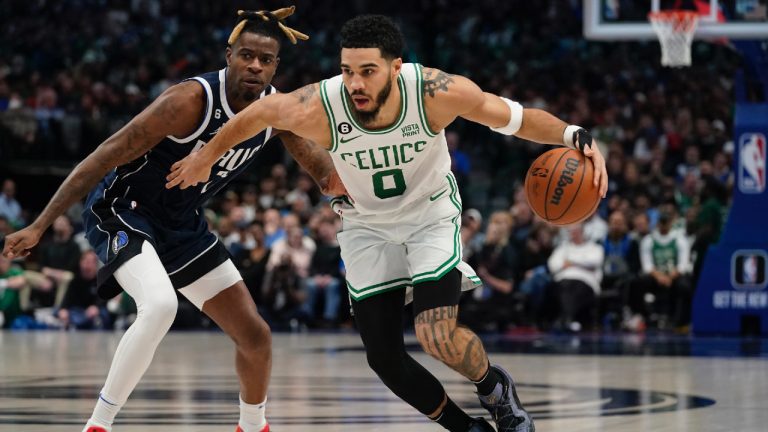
[
  {"x": 300, "y": 112},
  {"x": 315, "y": 160},
  {"x": 449, "y": 96},
  {"x": 176, "y": 112}
]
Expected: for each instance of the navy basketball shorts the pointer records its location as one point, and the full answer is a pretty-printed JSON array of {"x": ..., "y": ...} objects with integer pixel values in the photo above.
[{"x": 117, "y": 229}]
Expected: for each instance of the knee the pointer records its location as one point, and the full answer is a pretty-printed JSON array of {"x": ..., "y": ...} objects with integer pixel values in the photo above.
[
  {"x": 385, "y": 362},
  {"x": 256, "y": 339},
  {"x": 160, "y": 311}
]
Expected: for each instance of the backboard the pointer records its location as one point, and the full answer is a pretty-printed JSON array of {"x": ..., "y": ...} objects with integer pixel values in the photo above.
[{"x": 628, "y": 19}]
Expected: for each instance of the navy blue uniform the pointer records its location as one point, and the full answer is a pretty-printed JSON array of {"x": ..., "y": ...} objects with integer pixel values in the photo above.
[{"x": 131, "y": 203}]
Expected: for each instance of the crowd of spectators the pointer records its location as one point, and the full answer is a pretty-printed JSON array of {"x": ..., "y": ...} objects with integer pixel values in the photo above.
[{"x": 72, "y": 73}]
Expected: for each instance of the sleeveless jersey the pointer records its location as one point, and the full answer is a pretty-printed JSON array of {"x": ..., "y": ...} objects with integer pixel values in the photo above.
[
  {"x": 385, "y": 170},
  {"x": 664, "y": 252},
  {"x": 142, "y": 181}
]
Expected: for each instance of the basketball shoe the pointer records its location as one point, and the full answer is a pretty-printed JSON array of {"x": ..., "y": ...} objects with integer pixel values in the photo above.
[
  {"x": 95, "y": 429},
  {"x": 480, "y": 425},
  {"x": 507, "y": 411},
  {"x": 264, "y": 429}
]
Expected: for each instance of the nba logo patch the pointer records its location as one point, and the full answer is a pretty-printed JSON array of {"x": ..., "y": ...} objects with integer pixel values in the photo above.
[
  {"x": 748, "y": 269},
  {"x": 752, "y": 163},
  {"x": 120, "y": 241}
]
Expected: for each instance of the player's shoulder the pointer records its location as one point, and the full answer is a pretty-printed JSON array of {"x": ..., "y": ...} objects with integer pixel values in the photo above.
[
  {"x": 440, "y": 84},
  {"x": 447, "y": 95},
  {"x": 189, "y": 91}
]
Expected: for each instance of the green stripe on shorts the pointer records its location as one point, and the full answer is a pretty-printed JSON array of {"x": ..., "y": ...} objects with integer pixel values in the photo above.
[
  {"x": 455, "y": 258},
  {"x": 361, "y": 293}
]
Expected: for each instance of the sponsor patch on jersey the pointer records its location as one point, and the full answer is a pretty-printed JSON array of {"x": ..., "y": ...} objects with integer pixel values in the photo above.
[
  {"x": 120, "y": 241},
  {"x": 410, "y": 130},
  {"x": 344, "y": 128}
]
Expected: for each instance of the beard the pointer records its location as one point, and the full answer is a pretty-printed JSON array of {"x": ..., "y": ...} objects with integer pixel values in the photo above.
[
  {"x": 368, "y": 117},
  {"x": 249, "y": 96}
]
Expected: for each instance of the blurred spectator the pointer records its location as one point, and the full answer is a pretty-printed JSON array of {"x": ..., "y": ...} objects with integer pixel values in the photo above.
[
  {"x": 11, "y": 282},
  {"x": 622, "y": 254},
  {"x": 287, "y": 266},
  {"x": 523, "y": 221},
  {"x": 640, "y": 226},
  {"x": 709, "y": 221},
  {"x": 534, "y": 273},
  {"x": 9, "y": 207},
  {"x": 273, "y": 227},
  {"x": 471, "y": 237},
  {"x": 630, "y": 185},
  {"x": 576, "y": 268},
  {"x": 460, "y": 162},
  {"x": 59, "y": 260},
  {"x": 81, "y": 307},
  {"x": 253, "y": 262},
  {"x": 300, "y": 197},
  {"x": 664, "y": 290},
  {"x": 297, "y": 248},
  {"x": 229, "y": 235},
  {"x": 595, "y": 228},
  {"x": 495, "y": 264},
  {"x": 690, "y": 165},
  {"x": 268, "y": 193},
  {"x": 250, "y": 204},
  {"x": 686, "y": 195},
  {"x": 324, "y": 277},
  {"x": 721, "y": 169}
]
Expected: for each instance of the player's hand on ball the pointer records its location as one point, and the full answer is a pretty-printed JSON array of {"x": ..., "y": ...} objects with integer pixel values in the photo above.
[
  {"x": 189, "y": 171},
  {"x": 19, "y": 243},
  {"x": 601, "y": 173}
]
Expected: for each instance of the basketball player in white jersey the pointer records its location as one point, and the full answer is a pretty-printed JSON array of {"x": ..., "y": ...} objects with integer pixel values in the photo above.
[
  {"x": 153, "y": 240},
  {"x": 383, "y": 122}
]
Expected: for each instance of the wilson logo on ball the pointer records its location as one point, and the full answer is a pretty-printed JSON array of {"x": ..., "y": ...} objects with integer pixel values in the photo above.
[{"x": 566, "y": 178}]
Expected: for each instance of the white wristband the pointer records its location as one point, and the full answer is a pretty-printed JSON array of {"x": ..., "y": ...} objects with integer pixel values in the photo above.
[
  {"x": 568, "y": 136},
  {"x": 515, "y": 118}
]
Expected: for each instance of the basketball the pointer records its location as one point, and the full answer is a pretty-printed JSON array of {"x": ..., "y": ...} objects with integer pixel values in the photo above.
[{"x": 559, "y": 187}]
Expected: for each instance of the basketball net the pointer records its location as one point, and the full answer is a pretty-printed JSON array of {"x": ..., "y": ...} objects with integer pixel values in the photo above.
[{"x": 675, "y": 29}]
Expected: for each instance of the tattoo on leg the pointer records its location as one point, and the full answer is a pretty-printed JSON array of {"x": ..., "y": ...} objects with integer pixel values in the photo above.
[
  {"x": 475, "y": 359},
  {"x": 456, "y": 346}
]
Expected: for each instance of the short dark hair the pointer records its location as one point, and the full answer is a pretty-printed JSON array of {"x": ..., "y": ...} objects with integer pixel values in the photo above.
[
  {"x": 268, "y": 28},
  {"x": 373, "y": 31}
]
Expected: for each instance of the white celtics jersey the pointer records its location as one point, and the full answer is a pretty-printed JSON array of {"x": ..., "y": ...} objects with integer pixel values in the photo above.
[{"x": 386, "y": 170}]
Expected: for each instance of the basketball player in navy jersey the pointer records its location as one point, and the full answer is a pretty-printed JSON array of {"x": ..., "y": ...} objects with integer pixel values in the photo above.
[{"x": 152, "y": 239}]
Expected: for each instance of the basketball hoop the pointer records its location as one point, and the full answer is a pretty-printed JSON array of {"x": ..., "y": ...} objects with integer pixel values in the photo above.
[{"x": 675, "y": 29}]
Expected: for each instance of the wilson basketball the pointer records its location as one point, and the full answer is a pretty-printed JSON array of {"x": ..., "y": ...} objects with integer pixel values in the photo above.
[{"x": 559, "y": 186}]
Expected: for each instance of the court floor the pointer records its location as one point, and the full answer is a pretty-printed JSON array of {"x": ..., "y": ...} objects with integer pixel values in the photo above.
[{"x": 320, "y": 382}]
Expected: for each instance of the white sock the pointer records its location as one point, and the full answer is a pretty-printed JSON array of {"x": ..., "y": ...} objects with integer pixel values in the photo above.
[
  {"x": 252, "y": 416},
  {"x": 104, "y": 413}
]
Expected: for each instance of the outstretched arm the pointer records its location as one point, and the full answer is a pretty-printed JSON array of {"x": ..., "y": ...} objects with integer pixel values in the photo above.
[
  {"x": 450, "y": 96},
  {"x": 298, "y": 112},
  {"x": 176, "y": 112},
  {"x": 315, "y": 160}
]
